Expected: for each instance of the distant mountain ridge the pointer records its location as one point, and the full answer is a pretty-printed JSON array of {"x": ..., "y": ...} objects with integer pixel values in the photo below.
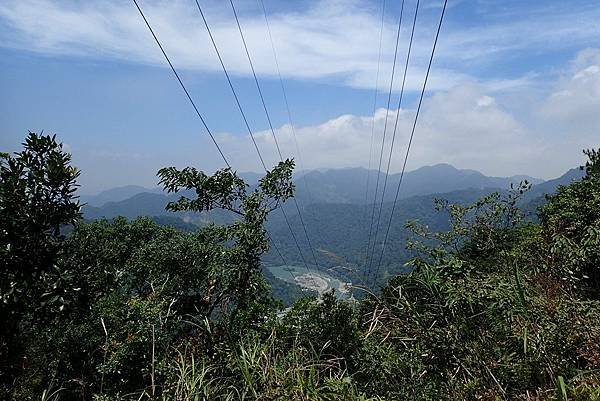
[
  {"x": 348, "y": 185},
  {"x": 550, "y": 186},
  {"x": 116, "y": 194},
  {"x": 153, "y": 205},
  {"x": 122, "y": 193},
  {"x": 337, "y": 205}
]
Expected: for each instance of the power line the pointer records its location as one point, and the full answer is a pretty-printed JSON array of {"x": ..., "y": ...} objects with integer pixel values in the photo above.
[
  {"x": 385, "y": 128},
  {"x": 181, "y": 83},
  {"x": 414, "y": 126},
  {"x": 283, "y": 260},
  {"x": 289, "y": 114},
  {"x": 375, "y": 92},
  {"x": 240, "y": 108},
  {"x": 271, "y": 126},
  {"x": 276, "y": 249},
  {"x": 285, "y": 99},
  {"x": 387, "y": 171},
  {"x": 192, "y": 101},
  {"x": 262, "y": 98},
  {"x": 237, "y": 100},
  {"x": 287, "y": 220}
]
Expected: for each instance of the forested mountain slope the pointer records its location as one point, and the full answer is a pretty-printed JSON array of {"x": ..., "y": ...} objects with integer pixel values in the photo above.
[
  {"x": 334, "y": 204},
  {"x": 348, "y": 185},
  {"x": 492, "y": 307}
]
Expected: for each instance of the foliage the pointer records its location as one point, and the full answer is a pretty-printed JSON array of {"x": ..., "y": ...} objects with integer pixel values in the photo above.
[
  {"x": 490, "y": 311},
  {"x": 259, "y": 369},
  {"x": 571, "y": 221},
  {"x": 329, "y": 327},
  {"x": 37, "y": 197},
  {"x": 37, "y": 188},
  {"x": 493, "y": 308},
  {"x": 225, "y": 190},
  {"x": 131, "y": 286}
]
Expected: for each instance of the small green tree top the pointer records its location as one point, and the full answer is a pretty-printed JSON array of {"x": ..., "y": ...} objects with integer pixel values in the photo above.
[
  {"x": 226, "y": 190},
  {"x": 37, "y": 197},
  {"x": 571, "y": 221}
]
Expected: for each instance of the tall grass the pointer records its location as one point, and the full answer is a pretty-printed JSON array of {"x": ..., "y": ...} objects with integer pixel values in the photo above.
[{"x": 257, "y": 370}]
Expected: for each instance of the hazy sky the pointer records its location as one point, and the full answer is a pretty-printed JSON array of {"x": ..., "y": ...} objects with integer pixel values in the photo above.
[{"x": 515, "y": 85}]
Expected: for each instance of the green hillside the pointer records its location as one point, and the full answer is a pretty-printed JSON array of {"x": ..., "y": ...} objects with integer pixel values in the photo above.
[
  {"x": 493, "y": 306},
  {"x": 346, "y": 254}
]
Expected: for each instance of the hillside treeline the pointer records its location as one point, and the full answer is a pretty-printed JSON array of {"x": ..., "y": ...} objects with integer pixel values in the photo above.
[{"x": 495, "y": 308}]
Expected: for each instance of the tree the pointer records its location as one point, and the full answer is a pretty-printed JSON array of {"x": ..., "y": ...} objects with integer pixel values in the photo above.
[
  {"x": 488, "y": 311},
  {"x": 37, "y": 197},
  {"x": 128, "y": 287},
  {"x": 571, "y": 221},
  {"x": 225, "y": 190}
]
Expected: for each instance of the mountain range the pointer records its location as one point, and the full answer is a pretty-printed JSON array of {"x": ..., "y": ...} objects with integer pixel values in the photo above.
[
  {"x": 334, "y": 202},
  {"x": 348, "y": 185}
]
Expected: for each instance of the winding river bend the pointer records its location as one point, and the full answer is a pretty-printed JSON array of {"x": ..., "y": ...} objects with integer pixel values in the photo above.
[{"x": 313, "y": 280}]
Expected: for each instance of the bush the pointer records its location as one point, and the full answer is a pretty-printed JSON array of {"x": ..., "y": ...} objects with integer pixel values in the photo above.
[{"x": 494, "y": 308}]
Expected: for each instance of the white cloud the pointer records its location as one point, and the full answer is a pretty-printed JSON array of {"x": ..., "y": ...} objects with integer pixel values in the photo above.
[
  {"x": 465, "y": 126},
  {"x": 462, "y": 126},
  {"x": 465, "y": 122},
  {"x": 308, "y": 44},
  {"x": 575, "y": 100},
  {"x": 543, "y": 27},
  {"x": 329, "y": 39}
]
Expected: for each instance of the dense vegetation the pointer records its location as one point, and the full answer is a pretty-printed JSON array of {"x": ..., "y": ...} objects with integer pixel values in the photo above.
[
  {"x": 495, "y": 307},
  {"x": 344, "y": 254}
]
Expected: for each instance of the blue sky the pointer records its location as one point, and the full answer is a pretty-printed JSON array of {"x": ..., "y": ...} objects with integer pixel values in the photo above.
[{"x": 515, "y": 85}]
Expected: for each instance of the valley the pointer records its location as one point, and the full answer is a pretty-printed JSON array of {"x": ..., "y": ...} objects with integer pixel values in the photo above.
[{"x": 316, "y": 281}]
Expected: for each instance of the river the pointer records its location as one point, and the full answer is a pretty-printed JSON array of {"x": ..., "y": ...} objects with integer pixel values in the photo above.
[{"x": 314, "y": 280}]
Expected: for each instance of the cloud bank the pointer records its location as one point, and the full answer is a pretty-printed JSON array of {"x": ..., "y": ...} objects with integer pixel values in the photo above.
[
  {"x": 329, "y": 39},
  {"x": 468, "y": 126},
  {"x": 465, "y": 126},
  {"x": 476, "y": 116}
]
